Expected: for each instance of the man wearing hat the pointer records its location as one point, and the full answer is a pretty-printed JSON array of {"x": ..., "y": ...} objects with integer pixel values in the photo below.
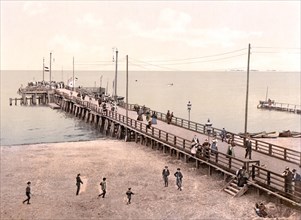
[
  {"x": 28, "y": 193},
  {"x": 297, "y": 181},
  {"x": 179, "y": 177},
  {"x": 288, "y": 178},
  {"x": 165, "y": 174},
  {"x": 129, "y": 194},
  {"x": 248, "y": 145}
]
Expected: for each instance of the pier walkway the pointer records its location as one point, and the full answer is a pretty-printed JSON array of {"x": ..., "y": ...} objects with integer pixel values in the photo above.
[{"x": 267, "y": 164}]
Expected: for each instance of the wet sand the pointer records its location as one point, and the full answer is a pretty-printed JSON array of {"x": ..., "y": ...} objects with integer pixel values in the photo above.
[{"x": 52, "y": 169}]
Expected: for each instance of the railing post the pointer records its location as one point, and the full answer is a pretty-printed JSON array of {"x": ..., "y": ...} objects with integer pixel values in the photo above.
[
  {"x": 166, "y": 137},
  {"x": 182, "y": 123},
  {"x": 184, "y": 143},
  {"x": 270, "y": 149},
  {"x": 159, "y": 134},
  {"x": 284, "y": 154},
  {"x": 256, "y": 145},
  {"x": 268, "y": 178},
  {"x": 153, "y": 131},
  {"x": 253, "y": 172},
  {"x": 175, "y": 140}
]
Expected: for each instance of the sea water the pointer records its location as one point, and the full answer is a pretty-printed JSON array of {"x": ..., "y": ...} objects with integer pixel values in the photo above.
[{"x": 218, "y": 96}]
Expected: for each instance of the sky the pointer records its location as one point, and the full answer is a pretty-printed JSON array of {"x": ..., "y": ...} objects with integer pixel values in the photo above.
[{"x": 156, "y": 35}]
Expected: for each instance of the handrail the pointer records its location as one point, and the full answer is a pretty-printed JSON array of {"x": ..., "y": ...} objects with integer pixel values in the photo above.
[
  {"x": 289, "y": 155},
  {"x": 276, "y": 182}
]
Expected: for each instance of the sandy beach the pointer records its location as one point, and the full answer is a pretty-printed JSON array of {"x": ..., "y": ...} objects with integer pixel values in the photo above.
[{"x": 52, "y": 169}]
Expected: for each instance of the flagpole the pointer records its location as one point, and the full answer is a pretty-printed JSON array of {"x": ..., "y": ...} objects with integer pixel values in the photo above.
[
  {"x": 43, "y": 68},
  {"x": 127, "y": 97},
  {"x": 73, "y": 74},
  {"x": 247, "y": 92},
  {"x": 50, "y": 68},
  {"x": 115, "y": 83}
]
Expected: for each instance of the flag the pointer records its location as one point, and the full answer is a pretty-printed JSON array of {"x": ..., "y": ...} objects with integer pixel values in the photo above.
[
  {"x": 70, "y": 82},
  {"x": 46, "y": 69}
]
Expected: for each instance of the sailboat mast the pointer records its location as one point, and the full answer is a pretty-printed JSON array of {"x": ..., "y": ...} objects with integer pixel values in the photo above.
[{"x": 266, "y": 94}]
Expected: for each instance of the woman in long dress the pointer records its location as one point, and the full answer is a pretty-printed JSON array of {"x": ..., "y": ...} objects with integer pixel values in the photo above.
[{"x": 154, "y": 118}]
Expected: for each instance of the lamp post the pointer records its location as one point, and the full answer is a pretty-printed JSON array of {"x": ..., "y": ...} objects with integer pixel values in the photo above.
[
  {"x": 208, "y": 126},
  {"x": 189, "y": 108}
]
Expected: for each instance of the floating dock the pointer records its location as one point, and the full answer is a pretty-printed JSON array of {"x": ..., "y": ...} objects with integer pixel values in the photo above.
[{"x": 276, "y": 106}]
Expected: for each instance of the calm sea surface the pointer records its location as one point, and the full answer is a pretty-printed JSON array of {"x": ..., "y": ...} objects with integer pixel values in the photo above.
[{"x": 219, "y": 96}]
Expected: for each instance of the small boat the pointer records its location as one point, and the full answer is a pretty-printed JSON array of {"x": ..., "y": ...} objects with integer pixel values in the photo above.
[
  {"x": 289, "y": 133},
  {"x": 262, "y": 134},
  {"x": 273, "y": 134}
]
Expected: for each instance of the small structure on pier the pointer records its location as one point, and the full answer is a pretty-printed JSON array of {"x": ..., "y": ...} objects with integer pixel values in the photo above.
[{"x": 36, "y": 93}]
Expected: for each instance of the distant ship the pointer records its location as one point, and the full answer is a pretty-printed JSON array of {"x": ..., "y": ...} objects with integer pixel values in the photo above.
[{"x": 170, "y": 84}]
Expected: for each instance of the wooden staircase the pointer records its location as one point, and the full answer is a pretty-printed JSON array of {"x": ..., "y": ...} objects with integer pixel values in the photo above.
[{"x": 234, "y": 190}]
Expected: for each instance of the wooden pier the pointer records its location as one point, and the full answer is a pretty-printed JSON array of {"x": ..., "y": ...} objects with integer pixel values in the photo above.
[
  {"x": 175, "y": 139},
  {"x": 276, "y": 106}
]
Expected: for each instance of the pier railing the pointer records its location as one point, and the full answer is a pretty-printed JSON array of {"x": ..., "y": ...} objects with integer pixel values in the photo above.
[
  {"x": 276, "y": 182},
  {"x": 263, "y": 147}
]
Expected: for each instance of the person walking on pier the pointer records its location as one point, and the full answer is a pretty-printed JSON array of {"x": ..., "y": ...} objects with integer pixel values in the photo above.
[
  {"x": 129, "y": 194},
  {"x": 242, "y": 176},
  {"x": 103, "y": 188},
  {"x": 213, "y": 147},
  {"x": 78, "y": 182},
  {"x": 206, "y": 149},
  {"x": 248, "y": 145},
  {"x": 28, "y": 193},
  {"x": 288, "y": 178},
  {"x": 230, "y": 150},
  {"x": 223, "y": 134},
  {"x": 154, "y": 118},
  {"x": 194, "y": 145},
  {"x": 297, "y": 181},
  {"x": 165, "y": 174},
  {"x": 179, "y": 177},
  {"x": 168, "y": 117}
]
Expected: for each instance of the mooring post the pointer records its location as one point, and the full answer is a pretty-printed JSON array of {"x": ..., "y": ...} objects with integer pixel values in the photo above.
[{"x": 10, "y": 101}]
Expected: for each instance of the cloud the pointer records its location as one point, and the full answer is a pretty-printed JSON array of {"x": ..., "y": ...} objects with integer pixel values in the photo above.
[
  {"x": 174, "y": 26},
  {"x": 68, "y": 44},
  {"x": 176, "y": 21},
  {"x": 34, "y": 8},
  {"x": 90, "y": 21}
]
